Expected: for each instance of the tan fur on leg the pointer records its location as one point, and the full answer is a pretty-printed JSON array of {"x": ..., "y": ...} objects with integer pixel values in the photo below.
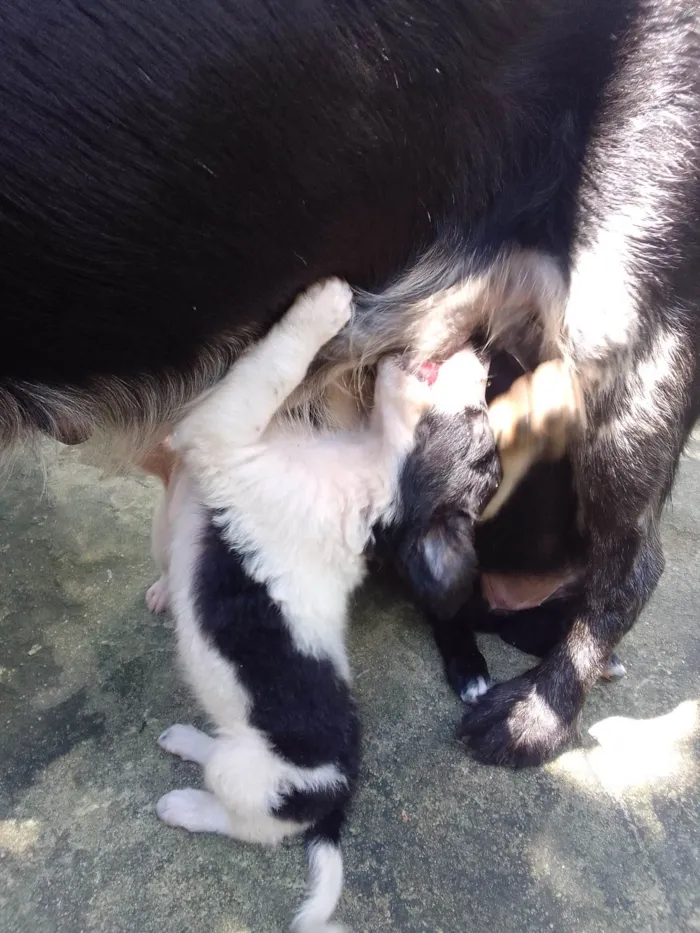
[
  {"x": 160, "y": 462},
  {"x": 534, "y": 421}
]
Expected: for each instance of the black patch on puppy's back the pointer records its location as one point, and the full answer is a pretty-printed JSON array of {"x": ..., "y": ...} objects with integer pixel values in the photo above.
[{"x": 298, "y": 701}]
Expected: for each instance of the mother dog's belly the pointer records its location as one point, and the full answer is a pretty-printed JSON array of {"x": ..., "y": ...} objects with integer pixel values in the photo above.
[{"x": 513, "y": 592}]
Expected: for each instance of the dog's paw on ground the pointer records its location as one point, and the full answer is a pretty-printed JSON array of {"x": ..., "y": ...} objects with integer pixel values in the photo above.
[
  {"x": 157, "y": 596},
  {"x": 614, "y": 669},
  {"x": 197, "y": 811},
  {"x": 474, "y": 688},
  {"x": 514, "y": 725},
  {"x": 182, "y": 809},
  {"x": 187, "y": 743}
]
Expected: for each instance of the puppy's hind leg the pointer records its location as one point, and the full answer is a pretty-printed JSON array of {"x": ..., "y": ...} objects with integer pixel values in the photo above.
[
  {"x": 158, "y": 594},
  {"x": 188, "y": 743},
  {"x": 161, "y": 462},
  {"x": 197, "y": 811}
]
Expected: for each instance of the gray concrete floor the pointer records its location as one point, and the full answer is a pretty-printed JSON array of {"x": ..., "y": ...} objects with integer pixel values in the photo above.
[{"x": 604, "y": 839}]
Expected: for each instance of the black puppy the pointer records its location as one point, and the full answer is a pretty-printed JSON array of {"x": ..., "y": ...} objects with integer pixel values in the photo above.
[
  {"x": 173, "y": 174},
  {"x": 531, "y": 556},
  {"x": 439, "y": 544},
  {"x": 447, "y": 479}
]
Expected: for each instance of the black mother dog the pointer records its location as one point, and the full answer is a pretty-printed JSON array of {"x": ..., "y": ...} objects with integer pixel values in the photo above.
[{"x": 173, "y": 173}]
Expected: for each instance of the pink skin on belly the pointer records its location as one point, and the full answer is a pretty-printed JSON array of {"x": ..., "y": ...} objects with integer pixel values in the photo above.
[
  {"x": 509, "y": 592},
  {"x": 428, "y": 371},
  {"x": 513, "y": 592}
]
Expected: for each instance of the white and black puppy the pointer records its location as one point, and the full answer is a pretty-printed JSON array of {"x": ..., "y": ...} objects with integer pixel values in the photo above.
[{"x": 261, "y": 539}]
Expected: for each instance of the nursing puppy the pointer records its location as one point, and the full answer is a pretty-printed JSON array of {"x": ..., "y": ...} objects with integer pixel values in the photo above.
[
  {"x": 464, "y": 472},
  {"x": 446, "y": 481},
  {"x": 529, "y": 545},
  {"x": 261, "y": 539}
]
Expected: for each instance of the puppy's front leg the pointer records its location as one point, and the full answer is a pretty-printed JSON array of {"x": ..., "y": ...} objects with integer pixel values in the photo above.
[
  {"x": 465, "y": 666},
  {"x": 240, "y": 408}
]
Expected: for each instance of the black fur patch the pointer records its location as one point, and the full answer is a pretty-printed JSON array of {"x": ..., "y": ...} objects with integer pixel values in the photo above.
[
  {"x": 447, "y": 479},
  {"x": 299, "y": 702},
  {"x": 192, "y": 174}
]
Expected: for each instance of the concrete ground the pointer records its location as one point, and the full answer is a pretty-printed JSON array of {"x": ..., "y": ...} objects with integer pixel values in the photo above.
[{"x": 605, "y": 839}]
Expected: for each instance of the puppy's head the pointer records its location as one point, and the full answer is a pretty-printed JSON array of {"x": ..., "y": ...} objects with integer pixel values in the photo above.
[{"x": 447, "y": 479}]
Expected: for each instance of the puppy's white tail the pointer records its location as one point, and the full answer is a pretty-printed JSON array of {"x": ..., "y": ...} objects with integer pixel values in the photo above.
[{"x": 325, "y": 882}]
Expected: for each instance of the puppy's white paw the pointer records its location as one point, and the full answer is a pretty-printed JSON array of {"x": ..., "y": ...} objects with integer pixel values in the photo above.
[
  {"x": 326, "y": 307},
  {"x": 474, "y": 688},
  {"x": 187, "y": 743},
  {"x": 197, "y": 811},
  {"x": 181, "y": 808},
  {"x": 158, "y": 596}
]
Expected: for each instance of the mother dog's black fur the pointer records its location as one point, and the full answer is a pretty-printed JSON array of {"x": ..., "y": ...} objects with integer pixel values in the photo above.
[{"x": 172, "y": 173}]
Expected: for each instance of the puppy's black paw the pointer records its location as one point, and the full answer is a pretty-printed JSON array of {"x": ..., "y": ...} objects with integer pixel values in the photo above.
[{"x": 514, "y": 725}]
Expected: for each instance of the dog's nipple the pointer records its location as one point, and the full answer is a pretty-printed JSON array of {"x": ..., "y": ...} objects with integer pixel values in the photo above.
[{"x": 427, "y": 372}]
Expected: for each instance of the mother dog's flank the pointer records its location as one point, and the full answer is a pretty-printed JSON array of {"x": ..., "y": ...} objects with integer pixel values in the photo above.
[{"x": 173, "y": 175}]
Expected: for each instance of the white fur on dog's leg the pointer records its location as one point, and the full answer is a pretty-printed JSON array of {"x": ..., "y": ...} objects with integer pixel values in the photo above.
[
  {"x": 188, "y": 743},
  {"x": 614, "y": 669},
  {"x": 475, "y": 688},
  {"x": 157, "y": 595},
  {"x": 197, "y": 811}
]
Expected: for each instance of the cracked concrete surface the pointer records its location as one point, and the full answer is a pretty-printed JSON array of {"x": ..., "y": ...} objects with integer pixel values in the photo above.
[{"x": 606, "y": 838}]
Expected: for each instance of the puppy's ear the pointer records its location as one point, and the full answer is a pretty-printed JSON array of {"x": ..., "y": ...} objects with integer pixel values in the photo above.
[{"x": 441, "y": 563}]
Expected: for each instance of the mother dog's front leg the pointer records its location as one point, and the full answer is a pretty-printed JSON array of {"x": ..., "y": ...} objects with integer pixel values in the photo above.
[
  {"x": 625, "y": 464},
  {"x": 527, "y": 720}
]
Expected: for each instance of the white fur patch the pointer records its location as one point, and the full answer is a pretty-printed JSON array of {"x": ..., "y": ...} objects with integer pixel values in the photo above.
[
  {"x": 197, "y": 811},
  {"x": 325, "y": 886},
  {"x": 476, "y": 688},
  {"x": 645, "y": 412},
  {"x": 601, "y": 320}
]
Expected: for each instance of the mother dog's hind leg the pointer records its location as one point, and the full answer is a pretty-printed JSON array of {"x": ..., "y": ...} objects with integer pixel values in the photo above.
[{"x": 624, "y": 465}]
